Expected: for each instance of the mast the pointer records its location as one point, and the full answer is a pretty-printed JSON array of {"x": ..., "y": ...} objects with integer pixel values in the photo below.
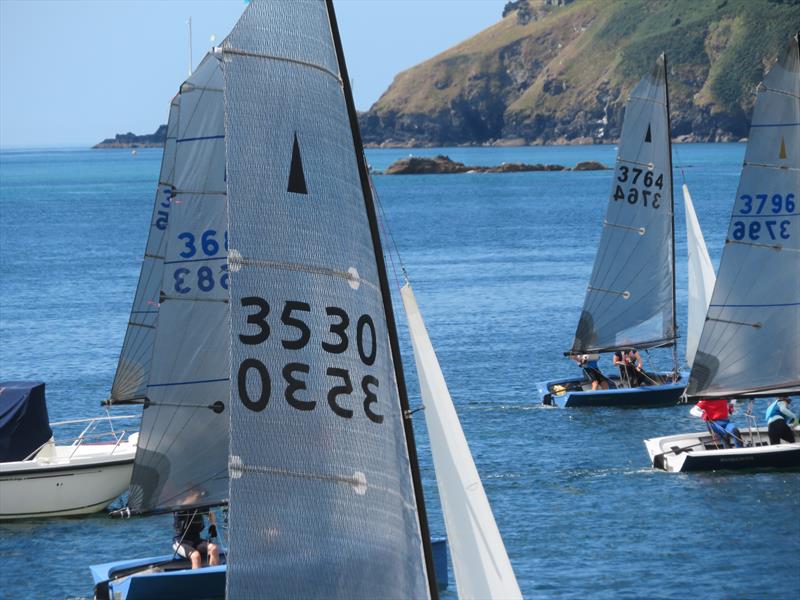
[
  {"x": 408, "y": 425},
  {"x": 672, "y": 217}
]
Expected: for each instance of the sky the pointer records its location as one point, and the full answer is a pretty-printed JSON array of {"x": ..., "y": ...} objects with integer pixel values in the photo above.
[{"x": 75, "y": 72}]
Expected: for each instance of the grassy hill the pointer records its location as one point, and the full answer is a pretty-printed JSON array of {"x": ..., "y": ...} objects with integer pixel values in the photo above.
[{"x": 547, "y": 73}]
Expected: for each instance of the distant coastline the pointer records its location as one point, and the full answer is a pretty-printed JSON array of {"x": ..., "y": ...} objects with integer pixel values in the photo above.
[{"x": 131, "y": 140}]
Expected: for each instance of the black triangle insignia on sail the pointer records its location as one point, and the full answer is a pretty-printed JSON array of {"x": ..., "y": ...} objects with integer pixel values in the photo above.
[
  {"x": 648, "y": 137},
  {"x": 297, "y": 179}
]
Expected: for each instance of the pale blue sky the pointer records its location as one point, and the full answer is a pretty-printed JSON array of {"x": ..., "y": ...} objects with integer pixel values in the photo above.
[{"x": 75, "y": 72}]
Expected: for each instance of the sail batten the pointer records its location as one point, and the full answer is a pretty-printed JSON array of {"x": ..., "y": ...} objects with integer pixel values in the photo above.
[
  {"x": 630, "y": 298},
  {"x": 750, "y": 344}
]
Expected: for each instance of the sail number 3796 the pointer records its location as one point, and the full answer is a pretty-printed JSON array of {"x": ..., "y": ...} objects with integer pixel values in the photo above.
[
  {"x": 337, "y": 340},
  {"x": 761, "y": 217}
]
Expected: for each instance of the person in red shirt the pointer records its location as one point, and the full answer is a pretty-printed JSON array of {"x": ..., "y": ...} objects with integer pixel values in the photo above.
[{"x": 716, "y": 413}]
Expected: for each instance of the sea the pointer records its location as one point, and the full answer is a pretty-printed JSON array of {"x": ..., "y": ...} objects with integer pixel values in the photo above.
[{"x": 500, "y": 265}]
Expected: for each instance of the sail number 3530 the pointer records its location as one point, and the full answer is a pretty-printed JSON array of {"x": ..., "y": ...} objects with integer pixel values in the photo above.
[{"x": 338, "y": 339}]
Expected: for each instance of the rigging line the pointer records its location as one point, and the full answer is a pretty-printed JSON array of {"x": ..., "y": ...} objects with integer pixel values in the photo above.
[
  {"x": 383, "y": 222},
  {"x": 236, "y": 51}
]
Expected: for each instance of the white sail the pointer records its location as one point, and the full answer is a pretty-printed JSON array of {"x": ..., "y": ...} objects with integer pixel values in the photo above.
[
  {"x": 480, "y": 562},
  {"x": 751, "y": 339},
  {"x": 133, "y": 369},
  {"x": 323, "y": 501},
  {"x": 181, "y": 459},
  {"x": 701, "y": 277},
  {"x": 630, "y": 300}
]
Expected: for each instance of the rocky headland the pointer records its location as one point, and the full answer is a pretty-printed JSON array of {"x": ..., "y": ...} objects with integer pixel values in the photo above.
[
  {"x": 131, "y": 140},
  {"x": 441, "y": 164}
]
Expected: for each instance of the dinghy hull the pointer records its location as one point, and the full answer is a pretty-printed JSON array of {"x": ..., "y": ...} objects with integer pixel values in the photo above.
[
  {"x": 166, "y": 578},
  {"x": 692, "y": 452},
  {"x": 570, "y": 393}
]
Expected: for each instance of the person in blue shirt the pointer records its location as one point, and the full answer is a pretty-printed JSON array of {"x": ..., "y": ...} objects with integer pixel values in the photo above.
[
  {"x": 778, "y": 414},
  {"x": 588, "y": 362}
]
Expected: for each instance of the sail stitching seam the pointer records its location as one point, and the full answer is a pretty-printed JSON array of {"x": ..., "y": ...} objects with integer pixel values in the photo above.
[{"x": 284, "y": 59}]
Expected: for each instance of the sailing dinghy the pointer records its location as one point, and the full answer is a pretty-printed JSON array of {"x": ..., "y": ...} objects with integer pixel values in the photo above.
[
  {"x": 286, "y": 372},
  {"x": 630, "y": 300},
  {"x": 750, "y": 344}
]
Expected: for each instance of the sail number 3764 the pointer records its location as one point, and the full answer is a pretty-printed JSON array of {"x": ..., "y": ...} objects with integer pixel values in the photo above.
[
  {"x": 643, "y": 186},
  {"x": 339, "y": 337}
]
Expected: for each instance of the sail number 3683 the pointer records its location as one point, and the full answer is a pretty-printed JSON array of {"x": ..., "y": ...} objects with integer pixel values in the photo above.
[{"x": 338, "y": 340}]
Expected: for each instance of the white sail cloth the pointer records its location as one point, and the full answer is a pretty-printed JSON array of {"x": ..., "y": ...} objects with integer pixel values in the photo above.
[
  {"x": 751, "y": 338},
  {"x": 480, "y": 563},
  {"x": 630, "y": 299},
  {"x": 133, "y": 369},
  {"x": 181, "y": 459},
  {"x": 701, "y": 277},
  {"x": 322, "y": 498}
]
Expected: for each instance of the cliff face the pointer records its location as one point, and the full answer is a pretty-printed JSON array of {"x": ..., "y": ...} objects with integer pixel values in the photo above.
[
  {"x": 555, "y": 71},
  {"x": 131, "y": 140}
]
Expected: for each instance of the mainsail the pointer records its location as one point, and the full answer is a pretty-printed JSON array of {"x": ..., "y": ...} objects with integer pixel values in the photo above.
[
  {"x": 480, "y": 562},
  {"x": 324, "y": 490},
  {"x": 751, "y": 340},
  {"x": 630, "y": 301},
  {"x": 181, "y": 459},
  {"x": 133, "y": 369},
  {"x": 701, "y": 277}
]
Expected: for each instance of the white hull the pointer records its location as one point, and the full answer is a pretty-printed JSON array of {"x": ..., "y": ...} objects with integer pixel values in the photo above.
[
  {"x": 697, "y": 451},
  {"x": 63, "y": 480}
]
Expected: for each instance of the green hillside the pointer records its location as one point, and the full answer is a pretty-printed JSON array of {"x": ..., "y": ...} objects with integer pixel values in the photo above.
[{"x": 559, "y": 71}]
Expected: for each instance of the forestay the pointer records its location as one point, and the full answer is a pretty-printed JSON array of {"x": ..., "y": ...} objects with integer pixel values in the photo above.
[
  {"x": 321, "y": 496},
  {"x": 751, "y": 340},
  {"x": 701, "y": 277},
  {"x": 181, "y": 460},
  {"x": 480, "y": 562},
  {"x": 133, "y": 369},
  {"x": 630, "y": 298}
]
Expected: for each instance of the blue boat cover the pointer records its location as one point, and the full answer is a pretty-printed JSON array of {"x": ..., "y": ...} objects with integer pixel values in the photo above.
[{"x": 24, "y": 425}]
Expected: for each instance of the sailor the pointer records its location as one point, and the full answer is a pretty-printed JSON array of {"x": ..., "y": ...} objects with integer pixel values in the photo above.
[
  {"x": 716, "y": 413},
  {"x": 188, "y": 525},
  {"x": 588, "y": 362},
  {"x": 630, "y": 367},
  {"x": 778, "y": 414}
]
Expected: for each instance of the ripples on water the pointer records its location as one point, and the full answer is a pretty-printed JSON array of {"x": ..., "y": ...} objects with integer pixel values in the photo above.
[{"x": 499, "y": 263}]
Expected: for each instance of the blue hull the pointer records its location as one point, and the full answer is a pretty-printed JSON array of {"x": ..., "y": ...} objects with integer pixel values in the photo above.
[
  {"x": 667, "y": 394},
  {"x": 172, "y": 580}
]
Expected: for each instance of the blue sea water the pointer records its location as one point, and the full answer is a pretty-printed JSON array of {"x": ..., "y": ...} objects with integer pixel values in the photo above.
[{"x": 499, "y": 263}]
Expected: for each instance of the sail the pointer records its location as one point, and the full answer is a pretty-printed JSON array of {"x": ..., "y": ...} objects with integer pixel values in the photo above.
[
  {"x": 630, "y": 299},
  {"x": 701, "y": 277},
  {"x": 133, "y": 369},
  {"x": 751, "y": 339},
  {"x": 181, "y": 459},
  {"x": 481, "y": 565},
  {"x": 322, "y": 495}
]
